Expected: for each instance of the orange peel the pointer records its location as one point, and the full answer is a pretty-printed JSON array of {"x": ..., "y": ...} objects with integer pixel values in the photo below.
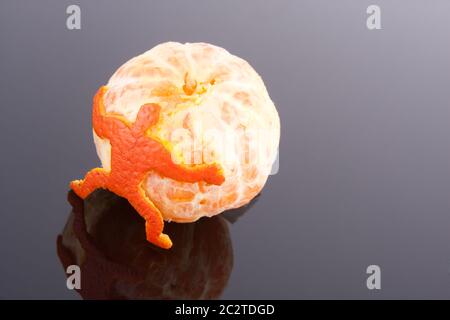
[{"x": 134, "y": 154}]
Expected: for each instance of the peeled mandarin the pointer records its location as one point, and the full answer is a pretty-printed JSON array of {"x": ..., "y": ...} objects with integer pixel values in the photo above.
[{"x": 214, "y": 108}]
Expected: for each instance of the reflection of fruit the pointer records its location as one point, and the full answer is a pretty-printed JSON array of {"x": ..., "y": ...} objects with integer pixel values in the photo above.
[
  {"x": 105, "y": 237},
  {"x": 200, "y": 88}
]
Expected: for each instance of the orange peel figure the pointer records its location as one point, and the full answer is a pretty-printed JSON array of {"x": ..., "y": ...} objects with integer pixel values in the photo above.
[{"x": 134, "y": 154}]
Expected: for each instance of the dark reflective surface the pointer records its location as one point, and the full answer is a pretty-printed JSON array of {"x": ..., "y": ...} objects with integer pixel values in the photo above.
[
  {"x": 365, "y": 140},
  {"x": 105, "y": 237}
]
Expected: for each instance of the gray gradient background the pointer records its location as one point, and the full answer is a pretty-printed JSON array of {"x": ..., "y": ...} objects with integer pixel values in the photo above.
[{"x": 365, "y": 144}]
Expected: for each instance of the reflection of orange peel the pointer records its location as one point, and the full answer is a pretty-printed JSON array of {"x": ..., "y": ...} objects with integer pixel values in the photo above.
[{"x": 133, "y": 155}]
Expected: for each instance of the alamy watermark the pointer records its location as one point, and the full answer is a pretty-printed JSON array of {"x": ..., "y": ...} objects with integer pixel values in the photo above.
[
  {"x": 74, "y": 279},
  {"x": 249, "y": 147},
  {"x": 73, "y": 21},
  {"x": 373, "y": 21},
  {"x": 374, "y": 279}
]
